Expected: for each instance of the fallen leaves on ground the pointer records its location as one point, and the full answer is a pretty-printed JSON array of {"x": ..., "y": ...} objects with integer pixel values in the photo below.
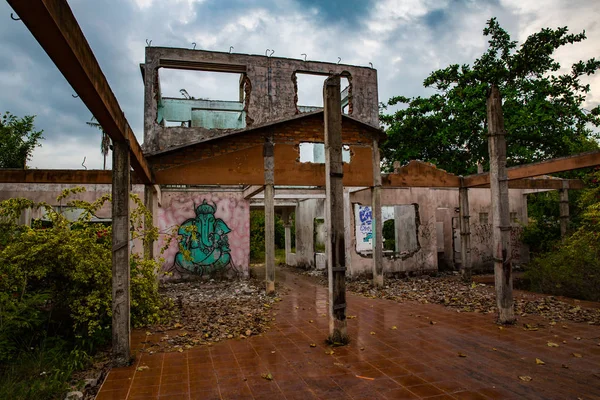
[
  {"x": 525, "y": 378},
  {"x": 577, "y": 355},
  {"x": 461, "y": 354},
  {"x": 210, "y": 311},
  {"x": 539, "y": 362},
  {"x": 470, "y": 297},
  {"x": 267, "y": 376},
  {"x": 552, "y": 344}
]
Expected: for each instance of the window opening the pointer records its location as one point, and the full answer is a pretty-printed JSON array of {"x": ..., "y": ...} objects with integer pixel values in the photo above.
[
  {"x": 311, "y": 152},
  {"x": 309, "y": 91},
  {"x": 211, "y": 100}
]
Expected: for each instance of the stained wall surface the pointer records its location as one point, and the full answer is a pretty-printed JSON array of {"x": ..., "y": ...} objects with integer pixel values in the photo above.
[
  {"x": 435, "y": 244},
  {"x": 269, "y": 87},
  {"x": 204, "y": 233}
]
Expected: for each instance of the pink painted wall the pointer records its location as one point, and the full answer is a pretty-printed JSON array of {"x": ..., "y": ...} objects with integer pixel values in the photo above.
[{"x": 177, "y": 207}]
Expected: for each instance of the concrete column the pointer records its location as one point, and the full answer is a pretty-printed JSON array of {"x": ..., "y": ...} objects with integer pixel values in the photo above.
[
  {"x": 149, "y": 200},
  {"x": 465, "y": 233},
  {"x": 564, "y": 211},
  {"x": 334, "y": 210},
  {"x": 500, "y": 211},
  {"x": 376, "y": 220},
  {"x": 120, "y": 254},
  {"x": 269, "y": 214},
  {"x": 288, "y": 235}
]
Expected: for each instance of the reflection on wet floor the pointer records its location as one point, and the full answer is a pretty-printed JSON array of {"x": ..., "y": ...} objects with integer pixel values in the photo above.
[{"x": 398, "y": 351}]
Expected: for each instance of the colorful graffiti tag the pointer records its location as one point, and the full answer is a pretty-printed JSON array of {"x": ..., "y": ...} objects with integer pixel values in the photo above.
[{"x": 204, "y": 245}]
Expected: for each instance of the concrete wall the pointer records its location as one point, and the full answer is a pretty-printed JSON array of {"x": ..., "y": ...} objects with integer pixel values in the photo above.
[
  {"x": 269, "y": 87},
  {"x": 48, "y": 192},
  {"x": 433, "y": 214},
  {"x": 213, "y": 226},
  {"x": 306, "y": 212}
]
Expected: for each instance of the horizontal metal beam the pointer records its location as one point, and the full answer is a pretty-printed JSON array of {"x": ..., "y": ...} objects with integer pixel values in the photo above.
[
  {"x": 584, "y": 160},
  {"x": 54, "y": 26}
]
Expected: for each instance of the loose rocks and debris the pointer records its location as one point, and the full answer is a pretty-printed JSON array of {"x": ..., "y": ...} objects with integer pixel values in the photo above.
[
  {"x": 205, "y": 312},
  {"x": 451, "y": 291}
]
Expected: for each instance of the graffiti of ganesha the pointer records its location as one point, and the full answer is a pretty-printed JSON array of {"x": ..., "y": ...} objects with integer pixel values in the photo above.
[{"x": 204, "y": 246}]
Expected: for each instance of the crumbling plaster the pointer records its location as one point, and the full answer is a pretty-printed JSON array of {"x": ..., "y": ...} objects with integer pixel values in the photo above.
[{"x": 270, "y": 90}]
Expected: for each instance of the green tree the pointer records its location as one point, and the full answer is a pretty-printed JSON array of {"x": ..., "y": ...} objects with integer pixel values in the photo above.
[
  {"x": 542, "y": 108},
  {"x": 18, "y": 139},
  {"x": 105, "y": 140}
]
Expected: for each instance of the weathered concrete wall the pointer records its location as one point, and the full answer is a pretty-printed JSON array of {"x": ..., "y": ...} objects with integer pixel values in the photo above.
[
  {"x": 424, "y": 210},
  {"x": 420, "y": 260},
  {"x": 269, "y": 84},
  {"x": 306, "y": 212},
  {"x": 48, "y": 192},
  {"x": 212, "y": 228}
]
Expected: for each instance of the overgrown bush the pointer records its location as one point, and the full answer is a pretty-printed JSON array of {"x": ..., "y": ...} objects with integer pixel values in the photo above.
[
  {"x": 572, "y": 268},
  {"x": 56, "y": 280},
  {"x": 257, "y": 234}
]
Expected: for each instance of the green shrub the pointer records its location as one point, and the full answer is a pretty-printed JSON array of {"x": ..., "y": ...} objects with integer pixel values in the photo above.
[
  {"x": 572, "y": 268},
  {"x": 56, "y": 281}
]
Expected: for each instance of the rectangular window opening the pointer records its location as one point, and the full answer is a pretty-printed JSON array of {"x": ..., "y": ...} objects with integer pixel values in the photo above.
[
  {"x": 312, "y": 152},
  {"x": 211, "y": 100},
  {"x": 310, "y": 92},
  {"x": 399, "y": 229}
]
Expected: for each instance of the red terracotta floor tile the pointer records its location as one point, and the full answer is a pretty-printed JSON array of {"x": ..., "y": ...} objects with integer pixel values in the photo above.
[{"x": 416, "y": 360}]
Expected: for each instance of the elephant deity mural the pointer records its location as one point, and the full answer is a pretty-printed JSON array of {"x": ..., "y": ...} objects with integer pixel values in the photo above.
[
  {"x": 204, "y": 245},
  {"x": 209, "y": 234}
]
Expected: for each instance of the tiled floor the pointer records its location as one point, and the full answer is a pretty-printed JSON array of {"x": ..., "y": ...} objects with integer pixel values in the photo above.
[{"x": 417, "y": 359}]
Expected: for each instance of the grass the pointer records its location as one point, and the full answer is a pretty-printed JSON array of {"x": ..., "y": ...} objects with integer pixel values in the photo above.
[
  {"x": 42, "y": 373},
  {"x": 259, "y": 258}
]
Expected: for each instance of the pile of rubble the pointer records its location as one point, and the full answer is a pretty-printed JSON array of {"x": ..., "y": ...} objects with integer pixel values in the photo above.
[{"x": 205, "y": 312}]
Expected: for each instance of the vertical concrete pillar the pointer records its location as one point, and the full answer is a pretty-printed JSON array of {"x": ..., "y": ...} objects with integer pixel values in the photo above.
[
  {"x": 268, "y": 153},
  {"x": 149, "y": 201},
  {"x": 334, "y": 203},
  {"x": 376, "y": 219},
  {"x": 500, "y": 211},
  {"x": 465, "y": 233},
  {"x": 287, "y": 225},
  {"x": 120, "y": 254},
  {"x": 564, "y": 210}
]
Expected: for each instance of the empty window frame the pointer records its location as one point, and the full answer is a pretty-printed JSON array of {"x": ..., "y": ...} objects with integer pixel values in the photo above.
[
  {"x": 211, "y": 100},
  {"x": 312, "y": 152},
  {"x": 400, "y": 228},
  {"x": 309, "y": 90}
]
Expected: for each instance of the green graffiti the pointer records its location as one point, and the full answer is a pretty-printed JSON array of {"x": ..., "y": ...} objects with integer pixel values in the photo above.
[{"x": 204, "y": 245}]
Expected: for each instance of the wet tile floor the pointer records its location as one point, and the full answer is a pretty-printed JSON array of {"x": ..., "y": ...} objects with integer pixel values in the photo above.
[{"x": 418, "y": 359}]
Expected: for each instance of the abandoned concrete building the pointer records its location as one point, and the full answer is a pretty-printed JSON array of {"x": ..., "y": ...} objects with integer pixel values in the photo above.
[{"x": 219, "y": 156}]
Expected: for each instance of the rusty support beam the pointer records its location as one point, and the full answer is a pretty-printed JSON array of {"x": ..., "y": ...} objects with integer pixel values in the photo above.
[
  {"x": 465, "y": 234},
  {"x": 584, "y": 160},
  {"x": 54, "y": 26}
]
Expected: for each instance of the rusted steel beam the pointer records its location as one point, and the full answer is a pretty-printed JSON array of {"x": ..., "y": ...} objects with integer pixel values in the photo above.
[
  {"x": 54, "y": 26},
  {"x": 90, "y": 176},
  {"x": 583, "y": 160}
]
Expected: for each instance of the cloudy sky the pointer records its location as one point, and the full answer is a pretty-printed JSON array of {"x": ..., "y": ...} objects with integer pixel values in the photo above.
[{"x": 404, "y": 39}]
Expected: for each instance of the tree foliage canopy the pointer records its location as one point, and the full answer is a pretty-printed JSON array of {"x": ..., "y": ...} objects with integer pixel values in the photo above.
[
  {"x": 542, "y": 108},
  {"x": 18, "y": 139}
]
